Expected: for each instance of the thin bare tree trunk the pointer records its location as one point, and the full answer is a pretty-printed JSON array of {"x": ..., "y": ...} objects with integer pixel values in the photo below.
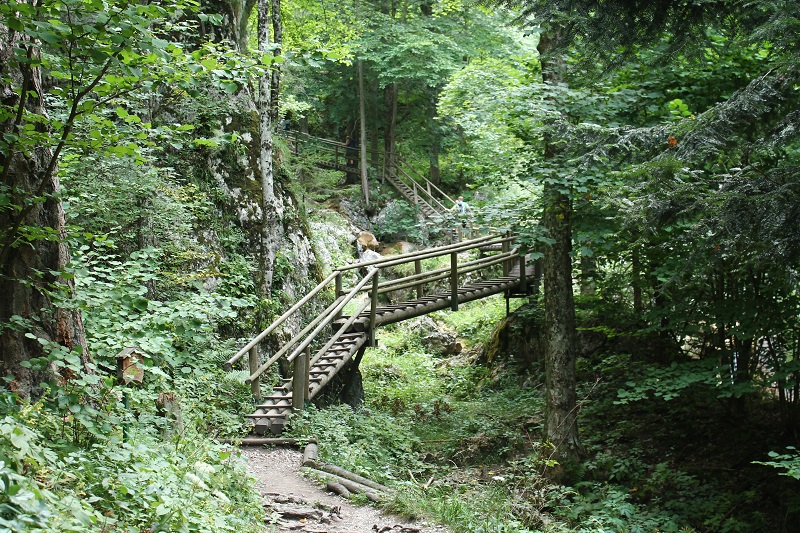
[
  {"x": 363, "y": 136},
  {"x": 272, "y": 223},
  {"x": 389, "y": 140},
  {"x": 277, "y": 35}
]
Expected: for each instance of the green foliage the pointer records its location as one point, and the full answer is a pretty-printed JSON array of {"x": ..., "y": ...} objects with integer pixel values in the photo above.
[
  {"x": 118, "y": 312},
  {"x": 400, "y": 221},
  {"x": 373, "y": 445},
  {"x": 785, "y": 461},
  {"x": 121, "y": 486}
]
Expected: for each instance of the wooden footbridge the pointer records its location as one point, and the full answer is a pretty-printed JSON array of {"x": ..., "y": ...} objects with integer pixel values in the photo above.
[{"x": 444, "y": 277}]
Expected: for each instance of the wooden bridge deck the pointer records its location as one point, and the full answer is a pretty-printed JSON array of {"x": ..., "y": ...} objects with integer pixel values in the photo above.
[{"x": 271, "y": 415}]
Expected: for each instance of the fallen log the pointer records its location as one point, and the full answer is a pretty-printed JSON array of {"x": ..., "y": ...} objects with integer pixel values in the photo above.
[
  {"x": 338, "y": 488},
  {"x": 352, "y": 486},
  {"x": 264, "y": 441},
  {"x": 341, "y": 472},
  {"x": 310, "y": 454}
]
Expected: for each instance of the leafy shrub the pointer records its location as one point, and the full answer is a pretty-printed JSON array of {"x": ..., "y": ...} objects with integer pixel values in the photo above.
[{"x": 144, "y": 484}]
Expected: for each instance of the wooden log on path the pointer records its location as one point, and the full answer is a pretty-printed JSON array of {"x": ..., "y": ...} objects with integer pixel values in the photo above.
[
  {"x": 339, "y": 489},
  {"x": 352, "y": 486},
  {"x": 310, "y": 454},
  {"x": 261, "y": 441},
  {"x": 341, "y": 472}
]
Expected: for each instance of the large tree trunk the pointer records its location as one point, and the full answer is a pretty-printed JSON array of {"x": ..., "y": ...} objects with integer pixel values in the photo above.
[
  {"x": 272, "y": 221},
  {"x": 31, "y": 265},
  {"x": 561, "y": 422}
]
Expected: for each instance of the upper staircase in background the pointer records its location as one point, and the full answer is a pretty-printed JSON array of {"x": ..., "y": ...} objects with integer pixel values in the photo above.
[{"x": 414, "y": 187}]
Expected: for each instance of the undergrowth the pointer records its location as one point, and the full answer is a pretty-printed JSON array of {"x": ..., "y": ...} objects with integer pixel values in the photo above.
[{"x": 461, "y": 443}]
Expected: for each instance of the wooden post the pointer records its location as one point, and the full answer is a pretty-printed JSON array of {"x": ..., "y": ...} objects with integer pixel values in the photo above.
[
  {"x": 372, "y": 308},
  {"x": 307, "y": 384},
  {"x": 416, "y": 199},
  {"x": 338, "y": 292},
  {"x": 523, "y": 281},
  {"x": 299, "y": 383},
  {"x": 418, "y": 270},
  {"x": 454, "y": 281},
  {"x": 255, "y": 385},
  {"x": 429, "y": 188},
  {"x": 505, "y": 247}
]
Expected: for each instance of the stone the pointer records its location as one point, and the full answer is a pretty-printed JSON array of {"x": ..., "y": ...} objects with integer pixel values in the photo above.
[{"x": 367, "y": 241}]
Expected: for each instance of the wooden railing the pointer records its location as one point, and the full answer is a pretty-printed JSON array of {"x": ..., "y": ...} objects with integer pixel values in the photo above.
[
  {"x": 297, "y": 349},
  {"x": 422, "y": 188}
]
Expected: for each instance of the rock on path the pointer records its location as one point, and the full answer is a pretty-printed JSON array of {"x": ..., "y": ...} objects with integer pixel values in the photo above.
[{"x": 298, "y": 504}]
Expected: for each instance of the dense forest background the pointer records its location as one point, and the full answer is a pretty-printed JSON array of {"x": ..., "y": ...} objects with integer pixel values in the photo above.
[{"x": 154, "y": 204}]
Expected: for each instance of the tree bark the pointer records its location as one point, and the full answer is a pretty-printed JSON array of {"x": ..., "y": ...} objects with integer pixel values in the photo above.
[
  {"x": 363, "y": 136},
  {"x": 31, "y": 267},
  {"x": 277, "y": 35},
  {"x": 389, "y": 140},
  {"x": 272, "y": 222},
  {"x": 561, "y": 422}
]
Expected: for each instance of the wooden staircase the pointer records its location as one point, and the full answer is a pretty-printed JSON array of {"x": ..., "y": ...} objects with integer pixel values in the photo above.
[
  {"x": 418, "y": 191},
  {"x": 272, "y": 413},
  {"x": 353, "y": 333}
]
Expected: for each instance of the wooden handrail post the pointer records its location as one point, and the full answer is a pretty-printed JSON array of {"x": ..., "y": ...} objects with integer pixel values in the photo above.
[
  {"x": 299, "y": 383},
  {"x": 307, "y": 381},
  {"x": 505, "y": 247},
  {"x": 373, "y": 306},
  {"x": 454, "y": 281},
  {"x": 338, "y": 292},
  {"x": 416, "y": 197},
  {"x": 255, "y": 385},
  {"x": 523, "y": 274},
  {"x": 418, "y": 270}
]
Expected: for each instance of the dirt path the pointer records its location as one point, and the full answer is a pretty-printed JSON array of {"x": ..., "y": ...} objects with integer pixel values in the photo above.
[{"x": 298, "y": 504}]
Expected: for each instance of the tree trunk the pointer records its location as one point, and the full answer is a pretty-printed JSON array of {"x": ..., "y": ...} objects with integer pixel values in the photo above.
[
  {"x": 277, "y": 35},
  {"x": 434, "y": 155},
  {"x": 561, "y": 422},
  {"x": 389, "y": 139},
  {"x": 272, "y": 223},
  {"x": 363, "y": 135},
  {"x": 31, "y": 267}
]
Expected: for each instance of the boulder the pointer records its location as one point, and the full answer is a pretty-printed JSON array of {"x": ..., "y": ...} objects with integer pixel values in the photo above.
[{"x": 367, "y": 241}]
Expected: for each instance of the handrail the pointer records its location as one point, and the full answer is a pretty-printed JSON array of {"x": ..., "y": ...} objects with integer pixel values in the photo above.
[
  {"x": 435, "y": 275},
  {"x": 280, "y": 320},
  {"x": 332, "y": 146},
  {"x": 320, "y": 322},
  {"x": 466, "y": 245},
  {"x": 427, "y": 181},
  {"x": 419, "y": 187}
]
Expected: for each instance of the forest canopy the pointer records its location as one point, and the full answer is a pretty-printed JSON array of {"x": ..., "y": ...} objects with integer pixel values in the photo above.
[{"x": 157, "y": 199}]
